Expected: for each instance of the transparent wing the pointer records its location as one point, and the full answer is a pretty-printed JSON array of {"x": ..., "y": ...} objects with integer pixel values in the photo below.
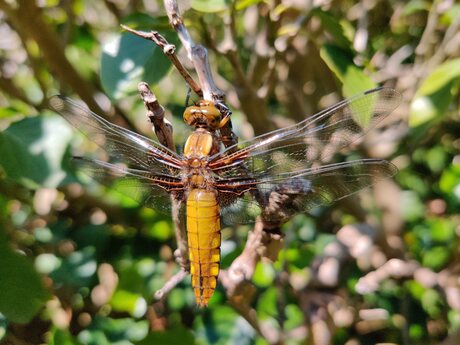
[
  {"x": 121, "y": 144},
  {"x": 280, "y": 198},
  {"x": 145, "y": 188},
  {"x": 289, "y": 171},
  {"x": 309, "y": 143}
]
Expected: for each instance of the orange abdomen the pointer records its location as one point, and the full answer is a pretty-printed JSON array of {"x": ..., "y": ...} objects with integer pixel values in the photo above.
[{"x": 203, "y": 230}]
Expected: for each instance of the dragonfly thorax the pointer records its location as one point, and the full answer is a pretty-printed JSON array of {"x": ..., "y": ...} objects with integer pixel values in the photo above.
[{"x": 201, "y": 143}]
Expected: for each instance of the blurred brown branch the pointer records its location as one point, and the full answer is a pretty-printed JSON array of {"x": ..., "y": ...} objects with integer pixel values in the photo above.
[
  {"x": 26, "y": 17},
  {"x": 236, "y": 279}
]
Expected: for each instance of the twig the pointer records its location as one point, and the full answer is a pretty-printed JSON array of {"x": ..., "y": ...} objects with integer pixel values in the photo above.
[
  {"x": 171, "y": 284},
  {"x": 199, "y": 57},
  {"x": 182, "y": 254},
  {"x": 196, "y": 53},
  {"x": 250, "y": 315},
  {"x": 156, "y": 114},
  {"x": 163, "y": 130},
  {"x": 425, "y": 45},
  {"x": 170, "y": 51},
  {"x": 315, "y": 305},
  {"x": 441, "y": 50},
  {"x": 394, "y": 268}
]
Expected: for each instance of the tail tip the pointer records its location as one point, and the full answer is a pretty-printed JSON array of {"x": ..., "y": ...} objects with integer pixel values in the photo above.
[{"x": 201, "y": 302}]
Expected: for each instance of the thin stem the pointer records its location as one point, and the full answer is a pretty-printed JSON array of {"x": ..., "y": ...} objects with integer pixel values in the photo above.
[{"x": 171, "y": 284}]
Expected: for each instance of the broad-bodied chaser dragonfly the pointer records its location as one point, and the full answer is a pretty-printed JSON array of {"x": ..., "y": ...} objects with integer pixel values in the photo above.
[{"x": 282, "y": 173}]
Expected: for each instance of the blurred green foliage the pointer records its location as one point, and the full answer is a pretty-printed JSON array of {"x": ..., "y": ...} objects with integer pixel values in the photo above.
[{"x": 80, "y": 265}]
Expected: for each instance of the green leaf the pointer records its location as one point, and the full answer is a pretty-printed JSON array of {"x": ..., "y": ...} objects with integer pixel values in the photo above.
[
  {"x": 142, "y": 21},
  {"x": 294, "y": 317},
  {"x": 435, "y": 94},
  {"x": 322, "y": 241},
  {"x": 436, "y": 258},
  {"x": 127, "y": 60},
  {"x": 177, "y": 335},
  {"x": 22, "y": 293},
  {"x": 437, "y": 158},
  {"x": 106, "y": 331},
  {"x": 223, "y": 326},
  {"x": 454, "y": 318},
  {"x": 267, "y": 303},
  {"x": 450, "y": 182},
  {"x": 127, "y": 301},
  {"x": 76, "y": 269},
  {"x": 416, "y": 332},
  {"x": 3, "y": 326},
  {"x": 414, "y": 6},
  {"x": 243, "y": 4},
  {"x": 177, "y": 298},
  {"x": 34, "y": 153},
  {"x": 160, "y": 230},
  {"x": 442, "y": 230},
  {"x": 450, "y": 15},
  {"x": 442, "y": 75},
  {"x": 432, "y": 302},
  {"x": 415, "y": 289},
  {"x": 209, "y": 6},
  {"x": 61, "y": 337},
  {"x": 412, "y": 207},
  {"x": 333, "y": 26},
  {"x": 340, "y": 61},
  {"x": 264, "y": 274}
]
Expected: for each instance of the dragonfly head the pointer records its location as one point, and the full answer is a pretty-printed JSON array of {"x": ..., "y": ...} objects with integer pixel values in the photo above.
[{"x": 204, "y": 115}]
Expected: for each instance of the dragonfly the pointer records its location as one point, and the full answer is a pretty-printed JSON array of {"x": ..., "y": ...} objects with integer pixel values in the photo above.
[{"x": 273, "y": 176}]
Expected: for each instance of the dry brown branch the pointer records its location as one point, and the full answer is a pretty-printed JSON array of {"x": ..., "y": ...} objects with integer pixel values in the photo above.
[
  {"x": 163, "y": 130},
  {"x": 260, "y": 243},
  {"x": 156, "y": 114},
  {"x": 170, "y": 51}
]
